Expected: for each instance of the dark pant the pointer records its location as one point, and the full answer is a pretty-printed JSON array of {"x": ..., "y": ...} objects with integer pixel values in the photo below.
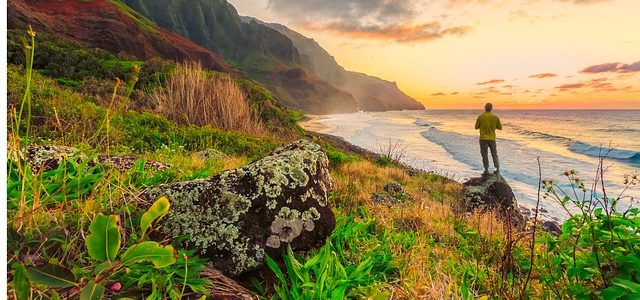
[{"x": 485, "y": 157}]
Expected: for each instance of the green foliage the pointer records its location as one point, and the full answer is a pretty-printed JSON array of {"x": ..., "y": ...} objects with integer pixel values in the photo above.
[
  {"x": 51, "y": 276},
  {"x": 322, "y": 276},
  {"x": 355, "y": 259},
  {"x": 159, "y": 209},
  {"x": 149, "y": 251},
  {"x": 598, "y": 252},
  {"x": 92, "y": 291},
  {"x": 20, "y": 282},
  {"x": 104, "y": 241}
]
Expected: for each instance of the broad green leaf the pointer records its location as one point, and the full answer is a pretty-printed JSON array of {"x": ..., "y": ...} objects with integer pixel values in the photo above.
[
  {"x": 156, "y": 211},
  {"x": 626, "y": 284},
  {"x": 612, "y": 293},
  {"x": 92, "y": 291},
  {"x": 104, "y": 241},
  {"x": 20, "y": 282},
  {"x": 160, "y": 256},
  {"x": 51, "y": 276}
]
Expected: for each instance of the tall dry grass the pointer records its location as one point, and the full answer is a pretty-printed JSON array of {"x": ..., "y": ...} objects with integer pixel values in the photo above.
[{"x": 194, "y": 96}]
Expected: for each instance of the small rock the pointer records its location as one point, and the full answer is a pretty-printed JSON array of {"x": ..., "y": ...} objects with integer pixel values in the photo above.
[
  {"x": 210, "y": 154},
  {"x": 552, "y": 227},
  {"x": 393, "y": 188},
  {"x": 238, "y": 216}
]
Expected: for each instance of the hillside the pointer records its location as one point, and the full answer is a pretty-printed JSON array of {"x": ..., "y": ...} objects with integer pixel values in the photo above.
[
  {"x": 371, "y": 93},
  {"x": 257, "y": 51},
  {"x": 111, "y": 26}
]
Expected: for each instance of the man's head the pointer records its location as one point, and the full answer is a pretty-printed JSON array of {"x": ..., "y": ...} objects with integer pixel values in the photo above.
[{"x": 488, "y": 107}]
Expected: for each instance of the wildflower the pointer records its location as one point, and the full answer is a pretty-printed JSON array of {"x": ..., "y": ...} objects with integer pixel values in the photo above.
[
  {"x": 31, "y": 32},
  {"x": 118, "y": 82},
  {"x": 116, "y": 287},
  {"x": 567, "y": 173},
  {"x": 135, "y": 79},
  {"x": 136, "y": 69},
  {"x": 577, "y": 180}
]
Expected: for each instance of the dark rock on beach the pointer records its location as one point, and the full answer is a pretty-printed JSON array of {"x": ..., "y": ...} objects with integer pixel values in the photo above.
[
  {"x": 238, "y": 216},
  {"x": 490, "y": 192}
]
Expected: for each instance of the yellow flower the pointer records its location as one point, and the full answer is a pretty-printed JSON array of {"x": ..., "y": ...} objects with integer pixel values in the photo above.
[
  {"x": 31, "y": 32},
  {"x": 136, "y": 69},
  {"x": 118, "y": 82}
]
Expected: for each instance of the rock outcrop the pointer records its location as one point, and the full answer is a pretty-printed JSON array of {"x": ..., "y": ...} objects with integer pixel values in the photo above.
[
  {"x": 490, "y": 192},
  {"x": 48, "y": 157},
  {"x": 238, "y": 216}
]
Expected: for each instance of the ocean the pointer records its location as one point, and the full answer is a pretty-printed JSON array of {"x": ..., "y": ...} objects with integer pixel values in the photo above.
[{"x": 445, "y": 141}]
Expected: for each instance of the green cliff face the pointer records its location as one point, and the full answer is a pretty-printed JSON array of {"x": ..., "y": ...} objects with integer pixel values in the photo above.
[{"x": 256, "y": 50}]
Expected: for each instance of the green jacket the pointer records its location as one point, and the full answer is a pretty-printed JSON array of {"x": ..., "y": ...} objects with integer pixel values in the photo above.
[{"x": 488, "y": 123}]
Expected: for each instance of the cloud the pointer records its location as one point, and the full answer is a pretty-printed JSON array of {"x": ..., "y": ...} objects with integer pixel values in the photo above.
[
  {"x": 613, "y": 67},
  {"x": 585, "y": 1},
  {"x": 543, "y": 75},
  {"x": 570, "y": 86},
  {"x": 492, "y": 81},
  {"x": 596, "y": 85},
  {"x": 438, "y": 94},
  {"x": 386, "y": 20}
]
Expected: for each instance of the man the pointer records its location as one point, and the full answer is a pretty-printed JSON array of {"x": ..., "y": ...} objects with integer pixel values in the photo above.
[{"x": 488, "y": 123}]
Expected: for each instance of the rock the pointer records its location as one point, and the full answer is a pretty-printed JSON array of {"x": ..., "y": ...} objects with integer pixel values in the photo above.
[
  {"x": 392, "y": 194},
  {"x": 393, "y": 188},
  {"x": 235, "y": 217},
  {"x": 552, "y": 227},
  {"x": 126, "y": 162},
  {"x": 48, "y": 157},
  {"x": 210, "y": 154},
  {"x": 491, "y": 192}
]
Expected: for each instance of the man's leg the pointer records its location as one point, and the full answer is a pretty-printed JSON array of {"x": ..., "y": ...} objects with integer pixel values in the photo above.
[
  {"x": 494, "y": 155},
  {"x": 484, "y": 145}
]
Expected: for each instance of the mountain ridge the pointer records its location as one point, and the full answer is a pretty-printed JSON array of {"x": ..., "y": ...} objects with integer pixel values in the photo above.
[{"x": 371, "y": 93}]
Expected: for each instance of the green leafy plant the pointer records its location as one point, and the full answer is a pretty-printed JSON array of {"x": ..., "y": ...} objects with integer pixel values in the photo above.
[{"x": 598, "y": 253}]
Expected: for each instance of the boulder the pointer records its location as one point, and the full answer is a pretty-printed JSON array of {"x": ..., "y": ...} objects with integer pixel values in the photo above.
[
  {"x": 552, "y": 227},
  {"x": 490, "y": 192},
  {"x": 238, "y": 216}
]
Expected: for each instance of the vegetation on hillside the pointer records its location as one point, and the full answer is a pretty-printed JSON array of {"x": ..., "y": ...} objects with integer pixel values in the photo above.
[{"x": 412, "y": 245}]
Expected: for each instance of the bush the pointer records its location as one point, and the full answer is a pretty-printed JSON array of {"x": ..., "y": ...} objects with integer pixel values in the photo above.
[{"x": 193, "y": 96}]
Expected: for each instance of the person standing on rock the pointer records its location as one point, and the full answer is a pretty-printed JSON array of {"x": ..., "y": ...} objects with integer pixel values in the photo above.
[{"x": 487, "y": 123}]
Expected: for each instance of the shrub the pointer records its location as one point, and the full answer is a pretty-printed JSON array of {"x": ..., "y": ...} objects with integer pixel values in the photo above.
[{"x": 193, "y": 96}]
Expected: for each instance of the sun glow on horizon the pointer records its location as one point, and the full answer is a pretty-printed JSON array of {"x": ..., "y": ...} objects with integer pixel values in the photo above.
[{"x": 463, "y": 53}]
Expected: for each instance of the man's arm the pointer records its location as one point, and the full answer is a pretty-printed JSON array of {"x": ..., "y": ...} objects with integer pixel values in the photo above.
[
  {"x": 478, "y": 123},
  {"x": 498, "y": 125}
]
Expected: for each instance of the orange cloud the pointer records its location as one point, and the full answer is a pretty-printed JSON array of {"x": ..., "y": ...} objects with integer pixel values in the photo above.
[
  {"x": 401, "y": 33},
  {"x": 438, "y": 94},
  {"x": 543, "y": 75},
  {"x": 492, "y": 81}
]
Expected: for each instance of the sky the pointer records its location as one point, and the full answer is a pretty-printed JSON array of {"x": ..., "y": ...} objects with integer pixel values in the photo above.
[{"x": 463, "y": 53}]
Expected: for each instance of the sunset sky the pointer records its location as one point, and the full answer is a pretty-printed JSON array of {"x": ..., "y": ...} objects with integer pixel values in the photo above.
[{"x": 463, "y": 53}]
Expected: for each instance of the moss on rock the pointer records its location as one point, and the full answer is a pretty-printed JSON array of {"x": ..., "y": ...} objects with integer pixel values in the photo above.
[{"x": 235, "y": 217}]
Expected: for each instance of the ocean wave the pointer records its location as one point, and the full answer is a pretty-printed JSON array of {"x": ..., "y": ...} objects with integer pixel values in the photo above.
[
  {"x": 548, "y": 137},
  {"x": 597, "y": 151},
  {"x": 425, "y": 123}
]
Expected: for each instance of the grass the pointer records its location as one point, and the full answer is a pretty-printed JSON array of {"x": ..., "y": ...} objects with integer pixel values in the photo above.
[{"x": 193, "y": 96}]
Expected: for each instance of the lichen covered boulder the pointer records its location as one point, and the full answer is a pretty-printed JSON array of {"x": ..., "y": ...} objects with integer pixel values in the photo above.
[
  {"x": 490, "y": 192},
  {"x": 238, "y": 216}
]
